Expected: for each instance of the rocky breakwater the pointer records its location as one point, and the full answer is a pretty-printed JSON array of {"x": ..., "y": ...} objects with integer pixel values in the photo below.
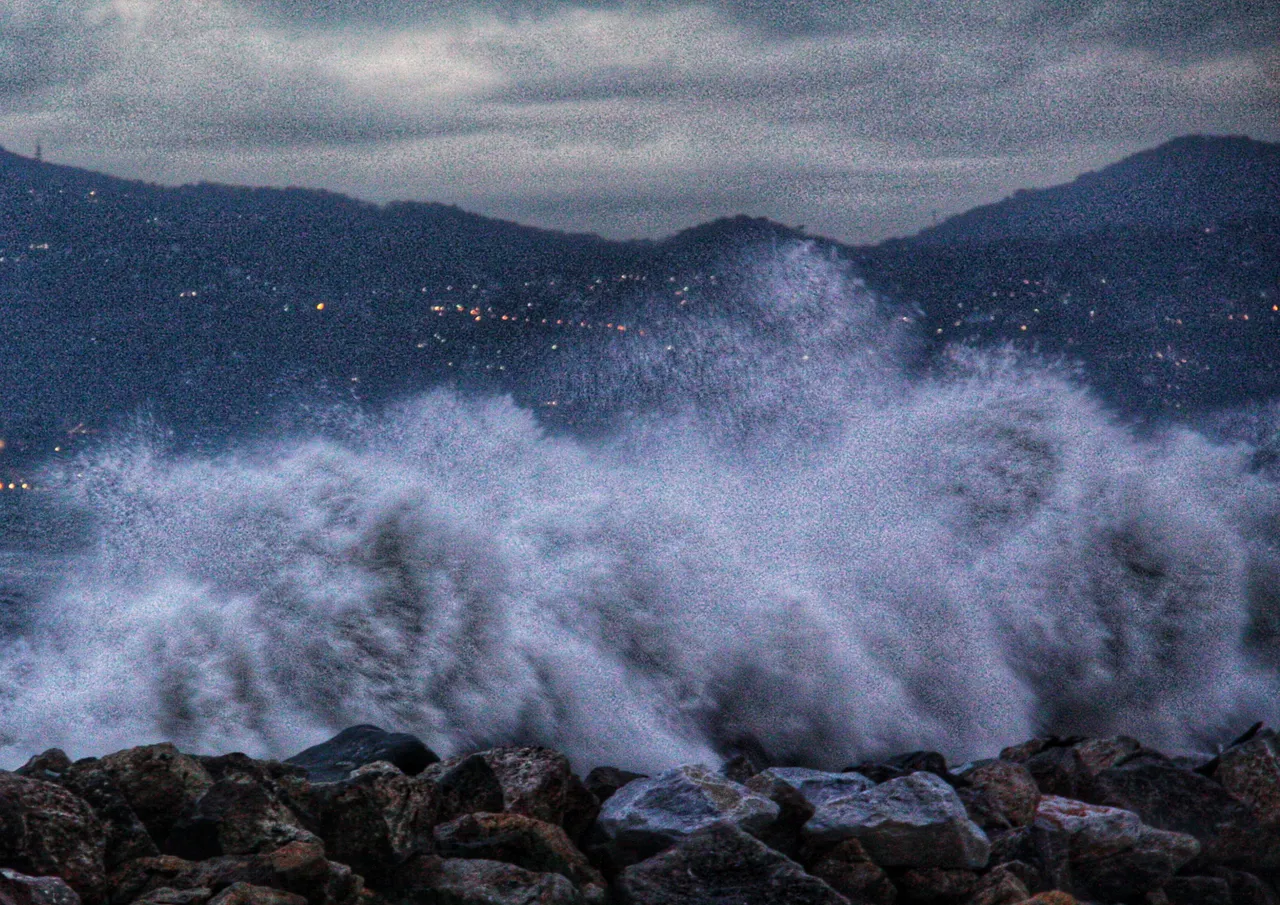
[{"x": 375, "y": 818}]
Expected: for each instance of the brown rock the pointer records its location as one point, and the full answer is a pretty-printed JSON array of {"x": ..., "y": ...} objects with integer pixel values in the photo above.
[
  {"x": 19, "y": 889},
  {"x": 1098, "y": 754},
  {"x": 159, "y": 782},
  {"x": 126, "y": 836},
  {"x": 1000, "y": 794},
  {"x": 302, "y": 868},
  {"x": 375, "y": 821},
  {"x": 167, "y": 895},
  {"x": 934, "y": 886},
  {"x": 458, "y": 881},
  {"x": 47, "y": 831},
  {"x": 465, "y": 787},
  {"x": 1000, "y": 886},
  {"x": 240, "y": 814},
  {"x": 535, "y": 781},
  {"x": 516, "y": 839},
  {"x": 1251, "y": 772},
  {"x": 247, "y": 894},
  {"x": 136, "y": 878},
  {"x": 847, "y": 869},
  {"x": 48, "y": 765}
]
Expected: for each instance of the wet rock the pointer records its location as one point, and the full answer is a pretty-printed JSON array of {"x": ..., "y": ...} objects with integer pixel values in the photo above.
[
  {"x": 794, "y": 810},
  {"x": 516, "y": 839},
  {"x": 239, "y": 815},
  {"x": 819, "y": 786},
  {"x": 126, "y": 836},
  {"x": 1000, "y": 794},
  {"x": 603, "y": 782},
  {"x": 356, "y": 746},
  {"x": 1168, "y": 797},
  {"x": 47, "y": 831},
  {"x": 1198, "y": 891},
  {"x": 915, "y": 821},
  {"x": 1113, "y": 855},
  {"x": 458, "y": 881},
  {"x": 19, "y": 889},
  {"x": 376, "y": 820},
  {"x": 248, "y": 894},
  {"x": 648, "y": 815},
  {"x": 849, "y": 871},
  {"x": 723, "y": 864},
  {"x": 465, "y": 787},
  {"x": 159, "y": 783},
  {"x": 934, "y": 886}
]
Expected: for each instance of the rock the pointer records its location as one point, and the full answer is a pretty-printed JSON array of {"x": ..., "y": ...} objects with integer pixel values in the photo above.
[
  {"x": 1246, "y": 888},
  {"x": 1000, "y": 886},
  {"x": 126, "y": 836},
  {"x": 47, "y": 831},
  {"x": 1251, "y": 772},
  {"x": 356, "y": 746},
  {"x": 48, "y": 765},
  {"x": 794, "y": 810},
  {"x": 248, "y": 894},
  {"x": 134, "y": 879},
  {"x": 915, "y": 821},
  {"x": 1052, "y": 897},
  {"x": 159, "y": 783},
  {"x": 1098, "y": 754},
  {"x": 302, "y": 868},
  {"x": 1113, "y": 855},
  {"x": 581, "y": 808},
  {"x": 819, "y": 786},
  {"x": 1023, "y": 752},
  {"x": 602, "y": 782},
  {"x": 516, "y": 839},
  {"x": 723, "y": 864},
  {"x": 1000, "y": 794},
  {"x": 535, "y": 781},
  {"x": 847, "y": 869},
  {"x": 1041, "y": 854},
  {"x": 1059, "y": 771},
  {"x": 459, "y": 881},
  {"x": 739, "y": 768},
  {"x": 1198, "y": 891},
  {"x": 239, "y": 815},
  {"x": 468, "y": 786},
  {"x": 376, "y": 820},
  {"x": 934, "y": 886},
  {"x": 648, "y": 815},
  {"x": 166, "y": 895},
  {"x": 19, "y": 889},
  {"x": 1168, "y": 797}
]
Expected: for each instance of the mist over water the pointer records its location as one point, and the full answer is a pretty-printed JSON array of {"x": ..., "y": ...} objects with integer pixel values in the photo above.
[{"x": 816, "y": 558}]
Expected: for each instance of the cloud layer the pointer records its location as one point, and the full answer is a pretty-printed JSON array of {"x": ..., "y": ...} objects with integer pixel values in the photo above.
[{"x": 634, "y": 118}]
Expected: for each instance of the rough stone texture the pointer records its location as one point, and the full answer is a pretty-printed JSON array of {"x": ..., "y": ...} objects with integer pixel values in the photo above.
[
  {"x": 138, "y": 877},
  {"x": 723, "y": 864},
  {"x": 1168, "y": 797},
  {"x": 1098, "y": 754},
  {"x": 819, "y": 786},
  {"x": 1198, "y": 891},
  {"x": 915, "y": 821},
  {"x": 1251, "y": 772},
  {"x": 1001, "y": 886},
  {"x": 356, "y": 746},
  {"x": 248, "y": 894},
  {"x": 516, "y": 839},
  {"x": 602, "y": 782},
  {"x": 847, "y": 869},
  {"x": 159, "y": 782},
  {"x": 794, "y": 810},
  {"x": 1052, "y": 897},
  {"x": 302, "y": 868},
  {"x": 239, "y": 815},
  {"x": 458, "y": 881},
  {"x": 934, "y": 886},
  {"x": 1246, "y": 888},
  {"x": 47, "y": 831},
  {"x": 651, "y": 814},
  {"x": 465, "y": 787},
  {"x": 47, "y": 765},
  {"x": 376, "y": 820},
  {"x": 535, "y": 781},
  {"x": 1000, "y": 794},
  {"x": 1059, "y": 771},
  {"x": 126, "y": 836},
  {"x": 166, "y": 895},
  {"x": 1113, "y": 855},
  {"x": 19, "y": 889}
]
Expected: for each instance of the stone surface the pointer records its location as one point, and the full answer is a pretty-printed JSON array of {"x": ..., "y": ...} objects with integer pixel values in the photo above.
[
  {"x": 849, "y": 871},
  {"x": 356, "y": 746},
  {"x": 516, "y": 839},
  {"x": 47, "y": 765},
  {"x": 934, "y": 886},
  {"x": 47, "y": 831},
  {"x": 723, "y": 864},
  {"x": 1098, "y": 754},
  {"x": 458, "y": 881},
  {"x": 126, "y": 835},
  {"x": 536, "y": 782},
  {"x": 167, "y": 895},
  {"x": 1002, "y": 885},
  {"x": 1251, "y": 772},
  {"x": 1246, "y": 888},
  {"x": 159, "y": 782},
  {"x": 1059, "y": 771},
  {"x": 819, "y": 786},
  {"x": 604, "y": 781},
  {"x": 376, "y": 820},
  {"x": 248, "y": 894},
  {"x": 1000, "y": 794},
  {"x": 914, "y": 821},
  {"x": 794, "y": 810},
  {"x": 650, "y": 814},
  {"x": 1198, "y": 891},
  {"x": 465, "y": 787},
  {"x": 19, "y": 889},
  {"x": 1112, "y": 854},
  {"x": 240, "y": 814}
]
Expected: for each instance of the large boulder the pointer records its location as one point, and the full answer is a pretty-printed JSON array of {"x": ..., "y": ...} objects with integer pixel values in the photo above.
[
  {"x": 159, "y": 782},
  {"x": 648, "y": 815},
  {"x": 19, "y": 889},
  {"x": 239, "y": 815},
  {"x": 850, "y": 871},
  {"x": 1113, "y": 855},
  {"x": 1250, "y": 771},
  {"x": 357, "y": 746},
  {"x": 538, "y": 782},
  {"x": 785, "y": 834},
  {"x": 914, "y": 821},
  {"x": 819, "y": 786},
  {"x": 465, "y": 786},
  {"x": 723, "y": 864},
  {"x": 47, "y": 831},
  {"x": 516, "y": 839},
  {"x": 603, "y": 782},
  {"x": 377, "y": 819},
  {"x": 999, "y": 794}
]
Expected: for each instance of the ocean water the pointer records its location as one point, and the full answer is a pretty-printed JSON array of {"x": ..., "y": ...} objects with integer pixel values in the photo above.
[{"x": 790, "y": 546}]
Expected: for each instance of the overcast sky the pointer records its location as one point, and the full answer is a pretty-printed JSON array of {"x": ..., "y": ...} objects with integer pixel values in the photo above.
[{"x": 859, "y": 120}]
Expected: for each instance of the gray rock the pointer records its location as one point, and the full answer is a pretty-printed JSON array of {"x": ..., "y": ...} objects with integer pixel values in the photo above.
[
  {"x": 647, "y": 815},
  {"x": 19, "y": 889},
  {"x": 915, "y": 821},
  {"x": 723, "y": 864},
  {"x": 457, "y": 881},
  {"x": 331, "y": 761},
  {"x": 47, "y": 831},
  {"x": 819, "y": 786}
]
